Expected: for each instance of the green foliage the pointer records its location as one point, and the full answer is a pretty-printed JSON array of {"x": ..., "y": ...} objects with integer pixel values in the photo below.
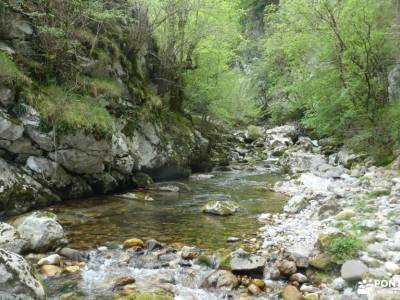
[
  {"x": 378, "y": 193},
  {"x": 225, "y": 263},
  {"x": 68, "y": 111},
  {"x": 326, "y": 65},
  {"x": 9, "y": 71},
  {"x": 342, "y": 248}
]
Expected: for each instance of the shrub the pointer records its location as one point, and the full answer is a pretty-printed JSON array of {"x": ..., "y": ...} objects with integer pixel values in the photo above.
[{"x": 342, "y": 248}]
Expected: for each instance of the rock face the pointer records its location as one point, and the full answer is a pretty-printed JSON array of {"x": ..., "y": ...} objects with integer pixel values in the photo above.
[
  {"x": 221, "y": 208},
  {"x": 394, "y": 83},
  {"x": 17, "y": 278},
  {"x": 41, "y": 230},
  {"x": 10, "y": 239}
]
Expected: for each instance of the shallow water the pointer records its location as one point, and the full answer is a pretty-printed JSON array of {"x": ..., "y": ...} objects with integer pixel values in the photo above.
[{"x": 173, "y": 217}]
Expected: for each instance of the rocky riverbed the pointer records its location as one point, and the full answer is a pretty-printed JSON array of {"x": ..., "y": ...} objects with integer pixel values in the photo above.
[{"x": 339, "y": 227}]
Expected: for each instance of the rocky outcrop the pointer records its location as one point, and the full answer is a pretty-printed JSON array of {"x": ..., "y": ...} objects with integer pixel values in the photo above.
[{"x": 17, "y": 278}]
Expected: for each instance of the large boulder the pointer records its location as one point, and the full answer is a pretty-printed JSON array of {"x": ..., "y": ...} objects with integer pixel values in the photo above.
[
  {"x": 41, "y": 230},
  {"x": 9, "y": 129},
  {"x": 246, "y": 263},
  {"x": 18, "y": 279},
  {"x": 78, "y": 161},
  {"x": 10, "y": 239},
  {"x": 221, "y": 208}
]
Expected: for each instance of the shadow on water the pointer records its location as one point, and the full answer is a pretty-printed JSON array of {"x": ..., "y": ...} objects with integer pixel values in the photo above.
[{"x": 173, "y": 217}]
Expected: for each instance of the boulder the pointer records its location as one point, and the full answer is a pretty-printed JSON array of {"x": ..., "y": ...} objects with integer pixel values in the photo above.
[
  {"x": 53, "y": 259},
  {"x": 170, "y": 187},
  {"x": 287, "y": 267},
  {"x": 221, "y": 279},
  {"x": 10, "y": 239},
  {"x": 72, "y": 254},
  {"x": 133, "y": 243},
  {"x": 296, "y": 204},
  {"x": 246, "y": 263},
  {"x": 78, "y": 161},
  {"x": 6, "y": 94},
  {"x": 142, "y": 180},
  {"x": 9, "y": 129},
  {"x": 321, "y": 261},
  {"x": 291, "y": 293},
  {"x": 221, "y": 208},
  {"x": 18, "y": 280},
  {"x": 353, "y": 270},
  {"x": 41, "y": 230}
]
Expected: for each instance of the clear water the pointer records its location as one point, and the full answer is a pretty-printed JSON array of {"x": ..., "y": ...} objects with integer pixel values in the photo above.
[{"x": 173, "y": 217}]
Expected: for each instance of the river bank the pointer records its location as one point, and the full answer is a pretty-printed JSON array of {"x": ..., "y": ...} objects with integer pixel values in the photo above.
[{"x": 338, "y": 227}]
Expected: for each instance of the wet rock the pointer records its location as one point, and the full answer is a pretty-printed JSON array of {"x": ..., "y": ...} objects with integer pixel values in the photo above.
[
  {"x": 151, "y": 245},
  {"x": 189, "y": 252},
  {"x": 313, "y": 296},
  {"x": 41, "y": 230},
  {"x": 51, "y": 270},
  {"x": 221, "y": 279},
  {"x": 339, "y": 284},
  {"x": 246, "y": 263},
  {"x": 53, "y": 259},
  {"x": 296, "y": 204},
  {"x": 18, "y": 279},
  {"x": 259, "y": 282},
  {"x": 171, "y": 187},
  {"x": 133, "y": 243},
  {"x": 10, "y": 239},
  {"x": 254, "y": 289},
  {"x": 122, "y": 281},
  {"x": 142, "y": 180},
  {"x": 291, "y": 293},
  {"x": 72, "y": 269},
  {"x": 275, "y": 274},
  {"x": 201, "y": 177},
  {"x": 287, "y": 267},
  {"x": 72, "y": 254},
  {"x": 300, "y": 278},
  {"x": 232, "y": 239},
  {"x": 221, "y": 208},
  {"x": 353, "y": 270}
]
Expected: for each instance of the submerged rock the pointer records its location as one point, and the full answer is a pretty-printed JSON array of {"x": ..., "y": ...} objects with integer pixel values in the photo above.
[
  {"x": 18, "y": 279},
  {"x": 221, "y": 208},
  {"x": 41, "y": 230}
]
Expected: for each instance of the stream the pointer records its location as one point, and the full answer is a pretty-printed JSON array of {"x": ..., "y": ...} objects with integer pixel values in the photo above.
[{"x": 170, "y": 218}]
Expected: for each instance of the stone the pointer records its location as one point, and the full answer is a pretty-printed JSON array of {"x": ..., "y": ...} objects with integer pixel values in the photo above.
[
  {"x": 392, "y": 267},
  {"x": 313, "y": 296},
  {"x": 339, "y": 284},
  {"x": 189, "y": 252},
  {"x": 170, "y": 187},
  {"x": 221, "y": 279},
  {"x": 259, "y": 282},
  {"x": 78, "y": 161},
  {"x": 287, "y": 267},
  {"x": 9, "y": 130},
  {"x": 51, "y": 270},
  {"x": 221, "y": 208},
  {"x": 122, "y": 281},
  {"x": 232, "y": 239},
  {"x": 133, "y": 243},
  {"x": 321, "y": 261},
  {"x": 245, "y": 263},
  {"x": 53, "y": 259},
  {"x": 6, "y": 94},
  {"x": 253, "y": 133},
  {"x": 151, "y": 245},
  {"x": 305, "y": 288},
  {"x": 300, "y": 278},
  {"x": 73, "y": 254},
  {"x": 254, "y": 289},
  {"x": 10, "y": 239},
  {"x": 353, "y": 270},
  {"x": 45, "y": 141},
  {"x": 18, "y": 280},
  {"x": 291, "y": 293},
  {"x": 70, "y": 296},
  {"x": 394, "y": 83},
  {"x": 347, "y": 157},
  {"x": 72, "y": 269},
  {"x": 41, "y": 230},
  {"x": 142, "y": 180},
  {"x": 385, "y": 295},
  {"x": 296, "y": 204},
  {"x": 346, "y": 214}
]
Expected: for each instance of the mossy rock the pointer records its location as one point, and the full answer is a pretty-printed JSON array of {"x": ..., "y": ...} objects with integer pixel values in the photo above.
[
  {"x": 322, "y": 261},
  {"x": 158, "y": 295}
]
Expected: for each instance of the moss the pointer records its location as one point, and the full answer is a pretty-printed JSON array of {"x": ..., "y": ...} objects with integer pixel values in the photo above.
[
  {"x": 320, "y": 277},
  {"x": 69, "y": 111},
  {"x": 106, "y": 87},
  {"x": 9, "y": 72},
  {"x": 225, "y": 263},
  {"x": 378, "y": 193},
  {"x": 158, "y": 295},
  {"x": 205, "y": 260}
]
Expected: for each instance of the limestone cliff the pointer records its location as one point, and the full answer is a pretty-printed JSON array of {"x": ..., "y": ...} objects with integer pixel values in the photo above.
[{"x": 79, "y": 110}]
